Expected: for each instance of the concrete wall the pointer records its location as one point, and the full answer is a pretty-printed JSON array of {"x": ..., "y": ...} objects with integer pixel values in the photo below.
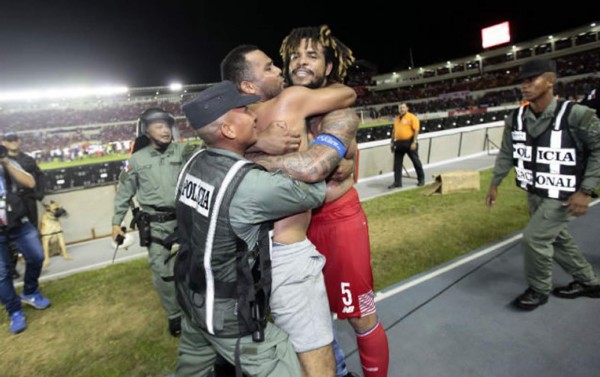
[
  {"x": 90, "y": 210},
  {"x": 376, "y": 157}
]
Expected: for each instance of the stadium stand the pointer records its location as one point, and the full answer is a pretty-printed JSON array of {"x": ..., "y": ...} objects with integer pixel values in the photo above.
[{"x": 468, "y": 91}]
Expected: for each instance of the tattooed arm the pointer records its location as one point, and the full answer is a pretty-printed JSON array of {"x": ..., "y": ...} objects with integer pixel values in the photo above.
[{"x": 318, "y": 161}]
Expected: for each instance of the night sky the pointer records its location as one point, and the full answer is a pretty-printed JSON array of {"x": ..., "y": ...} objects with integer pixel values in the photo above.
[{"x": 152, "y": 43}]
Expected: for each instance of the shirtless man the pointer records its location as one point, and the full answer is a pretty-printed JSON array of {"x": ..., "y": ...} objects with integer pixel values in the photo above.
[
  {"x": 339, "y": 229},
  {"x": 299, "y": 302}
]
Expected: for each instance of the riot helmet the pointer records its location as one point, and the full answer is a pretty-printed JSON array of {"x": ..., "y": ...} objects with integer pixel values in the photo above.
[
  {"x": 148, "y": 117},
  {"x": 152, "y": 115}
]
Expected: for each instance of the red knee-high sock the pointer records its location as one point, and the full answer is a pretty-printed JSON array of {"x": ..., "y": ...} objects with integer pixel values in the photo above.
[{"x": 374, "y": 351}]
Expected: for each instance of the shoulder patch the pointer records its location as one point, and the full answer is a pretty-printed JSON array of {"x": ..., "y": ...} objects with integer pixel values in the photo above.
[
  {"x": 188, "y": 150},
  {"x": 123, "y": 176}
]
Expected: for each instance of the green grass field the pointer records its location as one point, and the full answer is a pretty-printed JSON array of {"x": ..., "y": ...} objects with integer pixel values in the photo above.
[{"x": 56, "y": 164}]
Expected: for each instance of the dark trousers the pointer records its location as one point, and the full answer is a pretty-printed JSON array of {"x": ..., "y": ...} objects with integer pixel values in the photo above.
[
  {"x": 32, "y": 210},
  {"x": 28, "y": 240},
  {"x": 402, "y": 147}
]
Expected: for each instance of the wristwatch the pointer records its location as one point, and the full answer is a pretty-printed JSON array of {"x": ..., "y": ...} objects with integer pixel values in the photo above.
[{"x": 586, "y": 191}]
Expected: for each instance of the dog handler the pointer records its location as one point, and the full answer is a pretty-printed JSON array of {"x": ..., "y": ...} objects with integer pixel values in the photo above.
[{"x": 151, "y": 176}]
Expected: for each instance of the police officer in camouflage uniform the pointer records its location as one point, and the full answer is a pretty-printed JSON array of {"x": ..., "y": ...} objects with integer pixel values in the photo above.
[
  {"x": 151, "y": 176},
  {"x": 555, "y": 149}
]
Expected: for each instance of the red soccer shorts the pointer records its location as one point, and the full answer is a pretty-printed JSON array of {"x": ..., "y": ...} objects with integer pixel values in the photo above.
[{"x": 340, "y": 232}]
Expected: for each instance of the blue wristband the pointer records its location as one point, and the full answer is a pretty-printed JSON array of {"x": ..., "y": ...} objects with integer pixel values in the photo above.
[{"x": 332, "y": 142}]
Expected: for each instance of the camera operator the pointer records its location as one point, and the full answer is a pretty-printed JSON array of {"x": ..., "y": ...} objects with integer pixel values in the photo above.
[
  {"x": 29, "y": 196},
  {"x": 15, "y": 227}
]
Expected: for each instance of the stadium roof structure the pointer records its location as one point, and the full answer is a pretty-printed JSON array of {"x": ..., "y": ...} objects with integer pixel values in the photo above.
[{"x": 568, "y": 42}]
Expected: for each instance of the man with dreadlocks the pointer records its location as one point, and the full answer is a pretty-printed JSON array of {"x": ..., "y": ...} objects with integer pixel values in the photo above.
[
  {"x": 313, "y": 57},
  {"x": 297, "y": 265}
]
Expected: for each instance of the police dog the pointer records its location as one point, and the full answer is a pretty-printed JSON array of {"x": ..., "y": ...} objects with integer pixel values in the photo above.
[{"x": 51, "y": 232}]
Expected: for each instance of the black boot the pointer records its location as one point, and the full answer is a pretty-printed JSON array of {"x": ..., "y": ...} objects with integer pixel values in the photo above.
[{"x": 530, "y": 300}]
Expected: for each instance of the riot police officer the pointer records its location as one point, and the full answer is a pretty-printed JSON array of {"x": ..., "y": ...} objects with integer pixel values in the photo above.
[{"x": 151, "y": 176}]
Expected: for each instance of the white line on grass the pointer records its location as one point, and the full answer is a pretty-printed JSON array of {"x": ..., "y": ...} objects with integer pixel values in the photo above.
[{"x": 383, "y": 295}]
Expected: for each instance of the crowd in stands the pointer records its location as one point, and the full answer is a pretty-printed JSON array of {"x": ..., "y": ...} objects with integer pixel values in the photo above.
[
  {"x": 573, "y": 90},
  {"x": 441, "y": 98},
  {"x": 94, "y": 113},
  {"x": 566, "y": 66},
  {"x": 68, "y": 132}
]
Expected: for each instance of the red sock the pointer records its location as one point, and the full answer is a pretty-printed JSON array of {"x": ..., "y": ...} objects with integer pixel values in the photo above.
[{"x": 374, "y": 352}]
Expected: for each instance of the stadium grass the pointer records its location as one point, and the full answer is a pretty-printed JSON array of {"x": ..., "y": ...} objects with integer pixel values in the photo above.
[
  {"x": 109, "y": 322},
  {"x": 86, "y": 160}
]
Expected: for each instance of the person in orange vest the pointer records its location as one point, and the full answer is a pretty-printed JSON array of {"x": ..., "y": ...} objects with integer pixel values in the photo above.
[{"x": 404, "y": 141}]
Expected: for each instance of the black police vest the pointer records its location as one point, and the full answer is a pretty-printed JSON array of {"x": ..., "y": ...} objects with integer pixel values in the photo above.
[
  {"x": 549, "y": 165},
  {"x": 222, "y": 284}
]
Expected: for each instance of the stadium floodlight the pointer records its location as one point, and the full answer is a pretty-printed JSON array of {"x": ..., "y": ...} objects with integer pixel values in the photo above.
[
  {"x": 176, "y": 86},
  {"x": 495, "y": 35},
  {"x": 61, "y": 93}
]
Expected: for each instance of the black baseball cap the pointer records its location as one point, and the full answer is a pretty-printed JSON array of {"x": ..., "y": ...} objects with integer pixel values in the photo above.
[
  {"x": 536, "y": 67},
  {"x": 11, "y": 136},
  {"x": 213, "y": 102}
]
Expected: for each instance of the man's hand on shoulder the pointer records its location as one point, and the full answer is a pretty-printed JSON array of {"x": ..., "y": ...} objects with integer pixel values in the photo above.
[{"x": 344, "y": 170}]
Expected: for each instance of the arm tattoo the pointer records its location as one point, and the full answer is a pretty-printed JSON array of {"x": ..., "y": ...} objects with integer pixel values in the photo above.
[
  {"x": 312, "y": 165},
  {"x": 341, "y": 123},
  {"x": 318, "y": 161}
]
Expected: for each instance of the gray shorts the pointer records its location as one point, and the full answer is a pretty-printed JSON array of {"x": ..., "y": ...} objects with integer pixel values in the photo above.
[{"x": 299, "y": 304}]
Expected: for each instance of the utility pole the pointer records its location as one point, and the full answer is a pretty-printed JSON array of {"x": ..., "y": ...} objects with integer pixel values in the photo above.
[{"x": 412, "y": 63}]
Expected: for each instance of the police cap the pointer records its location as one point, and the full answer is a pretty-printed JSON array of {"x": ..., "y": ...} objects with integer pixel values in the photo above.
[{"x": 211, "y": 103}]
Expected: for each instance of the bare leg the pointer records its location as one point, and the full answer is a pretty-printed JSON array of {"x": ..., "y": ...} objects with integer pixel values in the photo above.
[
  {"x": 318, "y": 363},
  {"x": 363, "y": 324}
]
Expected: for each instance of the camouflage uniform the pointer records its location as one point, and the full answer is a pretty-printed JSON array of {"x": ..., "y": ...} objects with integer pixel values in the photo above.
[{"x": 151, "y": 177}]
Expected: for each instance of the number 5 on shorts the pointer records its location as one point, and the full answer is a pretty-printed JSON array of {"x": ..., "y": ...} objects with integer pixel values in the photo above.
[{"x": 346, "y": 294}]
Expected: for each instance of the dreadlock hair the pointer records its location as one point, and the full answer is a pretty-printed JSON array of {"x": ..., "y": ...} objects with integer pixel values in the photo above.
[
  {"x": 336, "y": 52},
  {"x": 234, "y": 66}
]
